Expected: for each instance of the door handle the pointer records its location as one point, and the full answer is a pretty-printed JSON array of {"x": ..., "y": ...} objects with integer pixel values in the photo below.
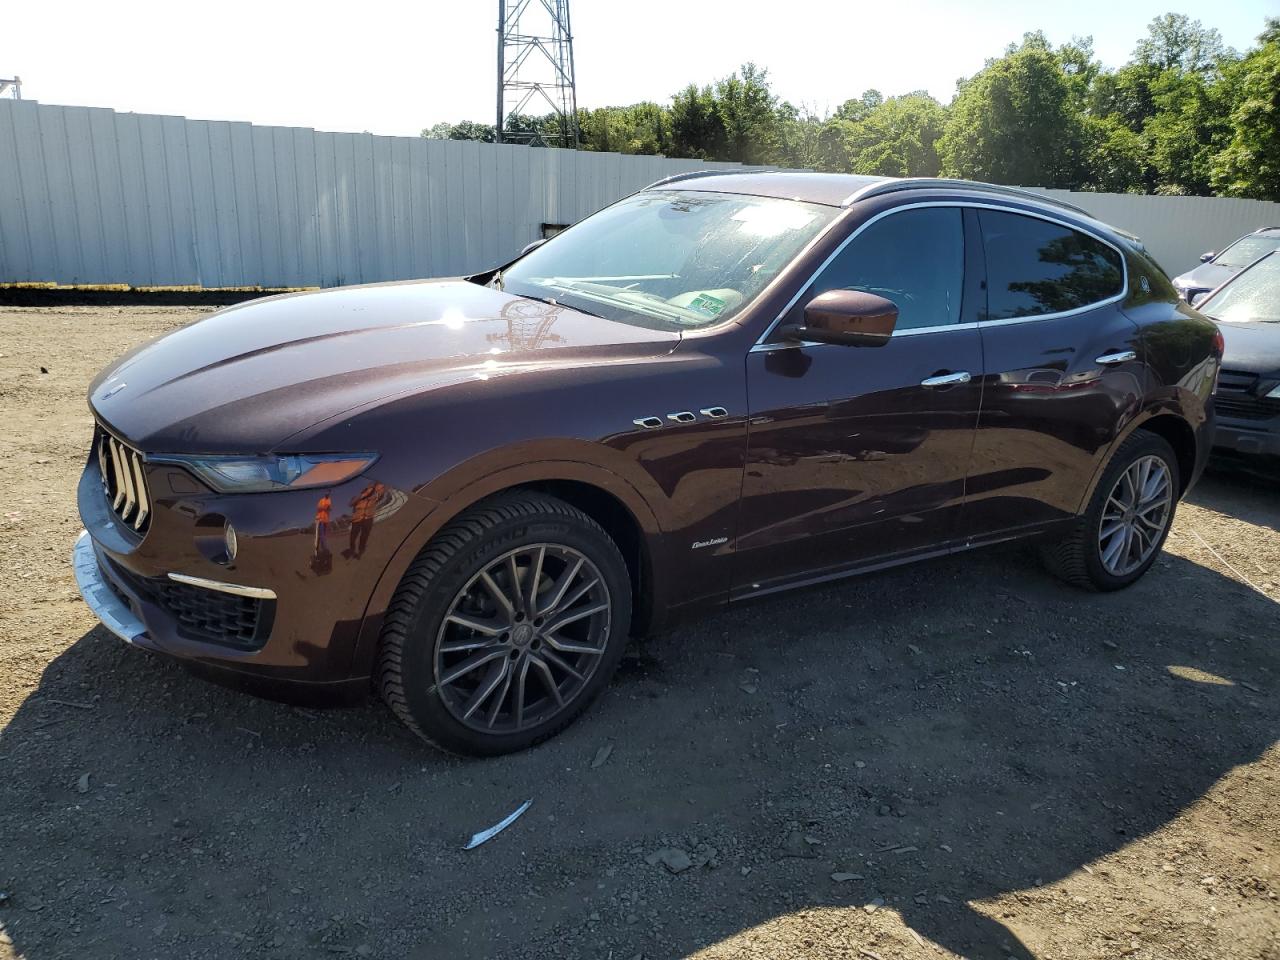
[
  {"x": 946, "y": 379},
  {"x": 1110, "y": 359}
]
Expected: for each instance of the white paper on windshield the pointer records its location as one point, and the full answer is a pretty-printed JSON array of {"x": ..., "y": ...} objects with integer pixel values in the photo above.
[{"x": 771, "y": 219}]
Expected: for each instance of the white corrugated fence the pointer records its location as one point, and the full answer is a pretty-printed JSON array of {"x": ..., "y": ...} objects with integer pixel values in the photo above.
[{"x": 92, "y": 196}]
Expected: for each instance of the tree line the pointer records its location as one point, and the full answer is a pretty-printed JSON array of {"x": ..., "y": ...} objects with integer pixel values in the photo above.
[{"x": 1187, "y": 115}]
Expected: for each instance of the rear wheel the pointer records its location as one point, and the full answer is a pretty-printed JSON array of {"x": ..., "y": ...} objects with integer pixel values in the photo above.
[
  {"x": 1118, "y": 537},
  {"x": 506, "y": 627}
]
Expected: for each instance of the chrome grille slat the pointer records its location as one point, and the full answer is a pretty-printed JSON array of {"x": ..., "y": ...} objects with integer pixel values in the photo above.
[
  {"x": 144, "y": 502},
  {"x": 124, "y": 481},
  {"x": 130, "y": 498},
  {"x": 114, "y": 447}
]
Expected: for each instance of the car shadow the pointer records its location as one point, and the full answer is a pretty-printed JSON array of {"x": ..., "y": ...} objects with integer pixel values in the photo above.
[{"x": 947, "y": 734}]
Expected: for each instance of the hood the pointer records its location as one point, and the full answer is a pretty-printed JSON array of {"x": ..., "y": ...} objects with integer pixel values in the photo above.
[
  {"x": 1207, "y": 276},
  {"x": 1252, "y": 347},
  {"x": 246, "y": 378}
]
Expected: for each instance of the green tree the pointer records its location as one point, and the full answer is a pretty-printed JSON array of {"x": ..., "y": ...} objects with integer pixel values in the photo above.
[
  {"x": 748, "y": 112},
  {"x": 897, "y": 138},
  {"x": 696, "y": 128},
  {"x": 1249, "y": 166},
  {"x": 799, "y": 137},
  {"x": 1188, "y": 127},
  {"x": 1175, "y": 41},
  {"x": 643, "y": 128},
  {"x": 856, "y": 109},
  {"x": 1116, "y": 157},
  {"x": 466, "y": 130},
  {"x": 1013, "y": 122}
]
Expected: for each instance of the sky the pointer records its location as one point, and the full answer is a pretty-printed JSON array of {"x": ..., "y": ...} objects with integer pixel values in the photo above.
[{"x": 392, "y": 67}]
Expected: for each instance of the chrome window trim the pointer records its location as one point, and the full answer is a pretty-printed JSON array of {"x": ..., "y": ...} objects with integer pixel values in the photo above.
[
  {"x": 910, "y": 332},
  {"x": 977, "y": 205},
  {"x": 257, "y": 593}
]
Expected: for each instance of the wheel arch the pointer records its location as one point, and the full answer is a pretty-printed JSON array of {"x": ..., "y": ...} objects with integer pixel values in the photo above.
[
  {"x": 1173, "y": 427},
  {"x": 1181, "y": 437},
  {"x": 609, "y": 499}
]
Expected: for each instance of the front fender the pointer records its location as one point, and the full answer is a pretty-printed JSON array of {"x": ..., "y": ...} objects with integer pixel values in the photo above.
[{"x": 483, "y": 476}]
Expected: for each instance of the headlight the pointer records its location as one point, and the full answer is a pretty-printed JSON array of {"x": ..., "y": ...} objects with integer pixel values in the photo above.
[
  {"x": 1275, "y": 392},
  {"x": 285, "y": 472}
]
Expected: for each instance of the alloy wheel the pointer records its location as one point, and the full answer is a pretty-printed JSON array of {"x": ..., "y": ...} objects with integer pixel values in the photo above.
[
  {"x": 1135, "y": 516},
  {"x": 522, "y": 638}
]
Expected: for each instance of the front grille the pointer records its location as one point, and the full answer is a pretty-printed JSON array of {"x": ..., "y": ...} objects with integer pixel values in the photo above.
[
  {"x": 212, "y": 615},
  {"x": 1236, "y": 381},
  {"x": 207, "y": 616},
  {"x": 1237, "y": 397},
  {"x": 1247, "y": 408},
  {"x": 123, "y": 481}
]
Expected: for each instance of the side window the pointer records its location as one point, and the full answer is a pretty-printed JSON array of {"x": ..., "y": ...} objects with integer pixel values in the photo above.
[
  {"x": 914, "y": 258},
  {"x": 1035, "y": 267}
]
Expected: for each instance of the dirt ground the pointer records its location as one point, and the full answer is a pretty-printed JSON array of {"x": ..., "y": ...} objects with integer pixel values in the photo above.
[{"x": 962, "y": 758}]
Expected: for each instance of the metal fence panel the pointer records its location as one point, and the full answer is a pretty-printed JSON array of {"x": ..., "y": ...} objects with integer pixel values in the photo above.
[
  {"x": 1177, "y": 229},
  {"x": 88, "y": 195}
]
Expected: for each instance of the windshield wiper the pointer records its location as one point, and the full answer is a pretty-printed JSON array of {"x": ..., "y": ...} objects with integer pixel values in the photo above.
[
  {"x": 658, "y": 308},
  {"x": 556, "y": 303}
]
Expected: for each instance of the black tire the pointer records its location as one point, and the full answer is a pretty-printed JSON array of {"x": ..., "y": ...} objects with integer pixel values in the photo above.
[
  {"x": 1078, "y": 557},
  {"x": 407, "y": 671}
]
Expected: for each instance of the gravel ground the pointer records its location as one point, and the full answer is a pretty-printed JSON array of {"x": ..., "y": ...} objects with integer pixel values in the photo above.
[{"x": 962, "y": 758}]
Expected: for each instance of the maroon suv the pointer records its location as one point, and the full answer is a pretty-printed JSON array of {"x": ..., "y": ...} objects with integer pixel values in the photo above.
[{"x": 469, "y": 492}]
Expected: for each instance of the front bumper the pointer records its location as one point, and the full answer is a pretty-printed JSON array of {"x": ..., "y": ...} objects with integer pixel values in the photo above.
[
  {"x": 168, "y": 591},
  {"x": 1256, "y": 438},
  {"x": 99, "y": 595}
]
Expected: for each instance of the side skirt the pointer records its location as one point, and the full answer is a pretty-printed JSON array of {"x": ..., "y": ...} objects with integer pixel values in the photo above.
[{"x": 1032, "y": 534}]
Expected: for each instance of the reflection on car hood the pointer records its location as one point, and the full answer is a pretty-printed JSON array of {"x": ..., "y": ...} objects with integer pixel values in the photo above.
[
  {"x": 1254, "y": 347},
  {"x": 1207, "y": 276},
  {"x": 248, "y": 377}
]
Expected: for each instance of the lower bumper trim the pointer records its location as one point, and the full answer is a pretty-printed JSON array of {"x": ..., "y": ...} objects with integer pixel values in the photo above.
[{"x": 102, "y": 600}]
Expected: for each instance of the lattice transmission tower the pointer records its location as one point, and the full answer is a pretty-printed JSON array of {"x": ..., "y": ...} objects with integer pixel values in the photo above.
[{"x": 535, "y": 73}]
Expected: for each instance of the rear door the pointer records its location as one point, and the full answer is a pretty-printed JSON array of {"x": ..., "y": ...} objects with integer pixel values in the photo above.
[
  {"x": 1062, "y": 370},
  {"x": 858, "y": 454}
]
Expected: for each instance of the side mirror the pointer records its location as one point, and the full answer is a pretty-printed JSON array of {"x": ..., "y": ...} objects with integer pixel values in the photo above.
[
  {"x": 533, "y": 246},
  {"x": 1199, "y": 298},
  {"x": 1206, "y": 257},
  {"x": 851, "y": 318}
]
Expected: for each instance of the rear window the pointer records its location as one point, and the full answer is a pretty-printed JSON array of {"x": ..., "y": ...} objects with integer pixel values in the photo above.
[{"x": 1038, "y": 267}]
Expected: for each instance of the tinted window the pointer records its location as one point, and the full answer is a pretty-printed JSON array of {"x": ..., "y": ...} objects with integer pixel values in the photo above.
[
  {"x": 1034, "y": 267},
  {"x": 914, "y": 258}
]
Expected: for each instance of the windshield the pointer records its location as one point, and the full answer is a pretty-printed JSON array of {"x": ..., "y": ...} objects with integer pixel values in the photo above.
[
  {"x": 675, "y": 259},
  {"x": 1246, "y": 250},
  {"x": 1252, "y": 295}
]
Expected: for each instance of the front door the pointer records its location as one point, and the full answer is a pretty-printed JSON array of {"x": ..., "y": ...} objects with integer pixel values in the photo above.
[{"x": 857, "y": 455}]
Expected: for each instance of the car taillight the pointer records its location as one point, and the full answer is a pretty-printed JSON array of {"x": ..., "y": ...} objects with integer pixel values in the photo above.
[{"x": 1219, "y": 344}]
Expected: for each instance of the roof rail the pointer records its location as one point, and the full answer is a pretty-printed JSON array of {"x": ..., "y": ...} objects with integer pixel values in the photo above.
[
  {"x": 692, "y": 174},
  {"x": 924, "y": 183}
]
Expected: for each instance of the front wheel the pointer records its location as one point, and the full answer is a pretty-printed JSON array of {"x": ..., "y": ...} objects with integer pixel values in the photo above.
[
  {"x": 1118, "y": 537},
  {"x": 506, "y": 626}
]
